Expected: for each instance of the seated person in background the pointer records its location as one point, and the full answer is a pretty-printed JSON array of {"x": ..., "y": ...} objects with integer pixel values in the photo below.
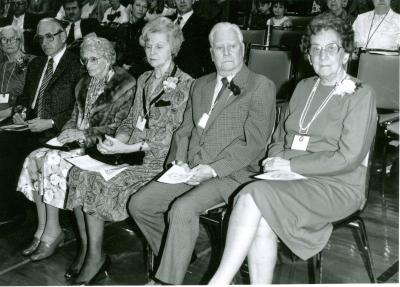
[
  {"x": 227, "y": 124},
  {"x": 279, "y": 19},
  {"x": 116, "y": 14},
  {"x": 157, "y": 8},
  {"x": 160, "y": 101},
  {"x": 103, "y": 98},
  {"x": 378, "y": 29},
  {"x": 44, "y": 106},
  {"x": 133, "y": 54},
  {"x": 325, "y": 135},
  {"x": 90, "y": 9},
  {"x": 77, "y": 28},
  {"x": 13, "y": 70},
  {"x": 338, "y": 8},
  {"x": 261, "y": 13}
]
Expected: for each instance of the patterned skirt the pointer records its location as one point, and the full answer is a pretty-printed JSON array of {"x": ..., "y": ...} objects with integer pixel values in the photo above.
[{"x": 107, "y": 200}]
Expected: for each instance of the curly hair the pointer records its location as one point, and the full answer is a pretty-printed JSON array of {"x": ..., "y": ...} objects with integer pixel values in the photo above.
[
  {"x": 18, "y": 33},
  {"x": 101, "y": 45},
  {"x": 165, "y": 26},
  {"x": 328, "y": 21}
]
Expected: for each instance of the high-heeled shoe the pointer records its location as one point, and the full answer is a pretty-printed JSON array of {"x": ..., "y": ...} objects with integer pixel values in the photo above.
[
  {"x": 31, "y": 247},
  {"x": 46, "y": 250},
  {"x": 103, "y": 272}
]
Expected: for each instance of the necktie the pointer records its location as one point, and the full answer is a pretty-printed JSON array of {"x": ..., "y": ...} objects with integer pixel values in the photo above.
[
  {"x": 46, "y": 79},
  {"x": 71, "y": 33},
  {"x": 221, "y": 91},
  {"x": 179, "y": 20}
]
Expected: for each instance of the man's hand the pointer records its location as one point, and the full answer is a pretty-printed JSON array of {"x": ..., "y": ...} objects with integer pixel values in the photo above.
[
  {"x": 275, "y": 163},
  {"x": 39, "y": 125},
  {"x": 201, "y": 173},
  {"x": 18, "y": 120},
  {"x": 71, "y": 135}
]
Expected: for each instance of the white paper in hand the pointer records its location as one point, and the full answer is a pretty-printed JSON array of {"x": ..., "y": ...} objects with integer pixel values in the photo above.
[
  {"x": 280, "y": 175},
  {"x": 176, "y": 174},
  {"x": 54, "y": 142}
]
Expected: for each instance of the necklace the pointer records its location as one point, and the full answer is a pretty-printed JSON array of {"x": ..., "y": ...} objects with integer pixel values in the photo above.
[{"x": 370, "y": 28}]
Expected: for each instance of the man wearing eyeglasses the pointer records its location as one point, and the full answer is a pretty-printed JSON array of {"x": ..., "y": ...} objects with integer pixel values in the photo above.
[{"x": 46, "y": 103}]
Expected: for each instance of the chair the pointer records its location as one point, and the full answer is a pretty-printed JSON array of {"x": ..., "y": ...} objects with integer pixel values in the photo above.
[
  {"x": 284, "y": 38},
  {"x": 300, "y": 22},
  {"x": 274, "y": 64},
  {"x": 252, "y": 37},
  {"x": 382, "y": 73}
]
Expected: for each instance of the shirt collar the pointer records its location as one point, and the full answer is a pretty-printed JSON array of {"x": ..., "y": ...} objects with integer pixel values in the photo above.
[
  {"x": 219, "y": 78},
  {"x": 186, "y": 16},
  {"x": 19, "y": 17},
  {"x": 76, "y": 22},
  {"x": 58, "y": 56}
]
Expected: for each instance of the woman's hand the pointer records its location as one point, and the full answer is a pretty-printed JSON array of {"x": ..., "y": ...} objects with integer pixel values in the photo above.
[
  {"x": 275, "y": 163},
  {"x": 71, "y": 135},
  {"x": 112, "y": 146}
]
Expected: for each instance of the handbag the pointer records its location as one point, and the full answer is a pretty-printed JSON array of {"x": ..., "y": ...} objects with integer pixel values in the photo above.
[{"x": 135, "y": 158}]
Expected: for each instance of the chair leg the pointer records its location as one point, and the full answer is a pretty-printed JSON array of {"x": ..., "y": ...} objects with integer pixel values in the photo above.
[{"x": 365, "y": 249}]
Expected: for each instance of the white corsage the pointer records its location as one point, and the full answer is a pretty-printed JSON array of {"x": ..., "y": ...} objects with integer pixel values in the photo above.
[
  {"x": 170, "y": 84},
  {"x": 347, "y": 86}
]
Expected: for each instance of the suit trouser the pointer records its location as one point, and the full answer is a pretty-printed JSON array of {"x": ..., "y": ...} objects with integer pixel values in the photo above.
[{"x": 184, "y": 204}]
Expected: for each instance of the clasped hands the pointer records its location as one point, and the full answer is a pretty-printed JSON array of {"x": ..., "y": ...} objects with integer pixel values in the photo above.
[
  {"x": 71, "y": 135},
  {"x": 200, "y": 173},
  {"x": 275, "y": 163},
  {"x": 112, "y": 145}
]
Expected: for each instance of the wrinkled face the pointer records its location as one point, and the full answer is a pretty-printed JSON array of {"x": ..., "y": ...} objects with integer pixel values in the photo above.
[
  {"x": 96, "y": 65},
  {"x": 184, "y": 6},
  {"x": 335, "y": 6},
  {"x": 381, "y": 4},
  {"x": 326, "y": 54},
  {"x": 52, "y": 40},
  {"x": 72, "y": 11},
  {"x": 114, "y": 4},
  {"x": 278, "y": 10},
  {"x": 227, "y": 52},
  {"x": 20, "y": 7},
  {"x": 139, "y": 9},
  {"x": 9, "y": 41},
  {"x": 158, "y": 49}
]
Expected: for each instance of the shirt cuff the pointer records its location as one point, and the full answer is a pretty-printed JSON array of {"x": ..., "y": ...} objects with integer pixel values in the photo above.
[{"x": 214, "y": 173}]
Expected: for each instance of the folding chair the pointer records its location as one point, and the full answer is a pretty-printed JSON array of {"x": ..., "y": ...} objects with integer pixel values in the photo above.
[{"x": 252, "y": 37}]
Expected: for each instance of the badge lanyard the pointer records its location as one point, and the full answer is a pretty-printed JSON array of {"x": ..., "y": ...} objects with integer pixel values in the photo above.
[{"x": 370, "y": 28}]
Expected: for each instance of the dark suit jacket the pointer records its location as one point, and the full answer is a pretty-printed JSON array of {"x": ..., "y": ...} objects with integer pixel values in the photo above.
[
  {"x": 89, "y": 25},
  {"x": 59, "y": 97},
  {"x": 194, "y": 56},
  {"x": 238, "y": 130}
]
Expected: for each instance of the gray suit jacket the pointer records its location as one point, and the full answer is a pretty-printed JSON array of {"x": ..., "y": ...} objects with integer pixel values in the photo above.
[{"x": 238, "y": 130}]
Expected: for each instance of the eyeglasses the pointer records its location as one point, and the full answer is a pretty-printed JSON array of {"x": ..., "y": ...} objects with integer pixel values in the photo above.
[
  {"x": 11, "y": 40},
  {"x": 331, "y": 49},
  {"x": 90, "y": 60},
  {"x": 20, "y": 3},
  {"x": 49, "y": 37}
]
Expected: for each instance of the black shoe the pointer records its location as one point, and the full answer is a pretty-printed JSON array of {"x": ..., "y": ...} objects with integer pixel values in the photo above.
[{"x": 103, "y": 271}]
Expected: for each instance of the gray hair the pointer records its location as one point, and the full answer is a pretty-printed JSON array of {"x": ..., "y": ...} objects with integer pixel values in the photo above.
[
  {"x": 225, "y": 26},
  {"x": 101, "y": 45},
  {"x": 17, "y": 31},
  {"x": 165, "y": 26}
]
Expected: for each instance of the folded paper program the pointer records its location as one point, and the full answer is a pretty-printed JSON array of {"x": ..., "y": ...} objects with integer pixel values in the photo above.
[{"x": 176, "y": 174}]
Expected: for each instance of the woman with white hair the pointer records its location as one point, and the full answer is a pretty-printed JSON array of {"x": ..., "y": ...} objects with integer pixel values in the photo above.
[
  {"x": 13, "y": 70},
  {"x": 103, "y": 98},
  {"x": 157, "y": 112}
]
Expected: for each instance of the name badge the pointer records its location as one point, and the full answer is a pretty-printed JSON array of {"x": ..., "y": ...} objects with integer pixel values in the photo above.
[
  {"x": 4, "y": 98},
  {"x": 141, "y": 123},
  {"x": 300, "y": 142},
  {"x": 203, "y": 121}
]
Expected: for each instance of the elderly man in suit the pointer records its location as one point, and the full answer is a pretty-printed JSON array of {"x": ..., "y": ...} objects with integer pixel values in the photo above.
[
  {"x": 226, "y": 127},
  {"x": 45, "y": 105}
]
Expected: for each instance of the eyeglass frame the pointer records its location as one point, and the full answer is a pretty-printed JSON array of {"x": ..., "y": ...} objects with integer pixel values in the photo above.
[
  {"x": 325, "y": 48},
  {"x": 48, "y": 36},
  {"x": 92, "y": 60},
  {"x": 12, "y": 40}
]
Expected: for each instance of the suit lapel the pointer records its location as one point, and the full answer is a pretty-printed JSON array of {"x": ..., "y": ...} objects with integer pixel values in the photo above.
[{"x": 59, "y": 70}]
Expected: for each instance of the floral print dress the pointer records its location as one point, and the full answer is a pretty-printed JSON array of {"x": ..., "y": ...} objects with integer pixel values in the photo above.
[{"x": 107, "y": 200}]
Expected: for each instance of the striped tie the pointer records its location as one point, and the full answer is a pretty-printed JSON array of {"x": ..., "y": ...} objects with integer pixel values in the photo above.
[{"x": 46, "y": 79}]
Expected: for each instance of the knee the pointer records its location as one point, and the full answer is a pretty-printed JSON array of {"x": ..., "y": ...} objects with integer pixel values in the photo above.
[
  {"x": 244, "y": 200},
  {"x": 139, "y": 203},
  {"x": 182, "y": 211}
]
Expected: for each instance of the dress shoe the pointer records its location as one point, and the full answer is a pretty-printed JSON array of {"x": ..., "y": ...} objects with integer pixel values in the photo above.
[
  {"x": 46, "y": 250},
  {"x": 103, "y": 271},
  {"x": 31, "y": 247}
]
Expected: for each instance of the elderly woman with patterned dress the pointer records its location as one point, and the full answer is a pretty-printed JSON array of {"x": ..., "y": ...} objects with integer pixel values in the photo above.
[
  {"x": 325, "y": 135},
  {"x": 13, "y": 70},
  {"x": 103, "y": 98},
  {"x": 160, "y": 101}
]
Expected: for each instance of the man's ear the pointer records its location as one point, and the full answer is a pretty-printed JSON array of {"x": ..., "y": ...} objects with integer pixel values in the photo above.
[
  {"x": 309, "y": 59},
  {"x": 63, "y": 36},
  {"x": 212, "y": 54}
]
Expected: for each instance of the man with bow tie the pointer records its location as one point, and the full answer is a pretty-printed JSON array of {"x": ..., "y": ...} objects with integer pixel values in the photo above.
[
  {"x": 116, "y": 14},
  {"x": 227, "y": 124}
]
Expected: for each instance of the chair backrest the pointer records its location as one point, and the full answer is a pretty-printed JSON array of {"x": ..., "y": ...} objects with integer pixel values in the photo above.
[
  {"x": 254, "y": 36},
  {"x": 382, "y": 73},
  {"x": 274, "y": 64},
  {"x": 284, "y": 38},
  {"x": 300, "y": 22}
]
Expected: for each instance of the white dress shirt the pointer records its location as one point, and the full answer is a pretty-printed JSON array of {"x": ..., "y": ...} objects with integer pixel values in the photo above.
[
  {"x": 124, "y": 18},
  {"x": 185, "y": 18},
  {"x": 19, "y": 21},
  {"x": 77, "y": 30}
]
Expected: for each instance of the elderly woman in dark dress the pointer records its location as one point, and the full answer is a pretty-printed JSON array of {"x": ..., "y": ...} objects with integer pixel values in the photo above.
[
  {"x": 157, "y": 112},
  {"x": 103, "y": 98},
  {"x": 325, "y": 135},
  {"x": 13, "y": 69}
]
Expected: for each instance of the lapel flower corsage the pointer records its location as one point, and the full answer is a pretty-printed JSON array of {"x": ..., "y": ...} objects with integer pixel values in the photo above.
[
  {"x": 22, "y": 64},
  {"x": 170, "y": 84},
  {"x": 347, "y": 86},
  {"x": 234, "y": 88}
]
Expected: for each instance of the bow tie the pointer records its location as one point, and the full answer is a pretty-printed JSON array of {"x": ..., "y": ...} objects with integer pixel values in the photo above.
[{"x": 111, "y": 17}]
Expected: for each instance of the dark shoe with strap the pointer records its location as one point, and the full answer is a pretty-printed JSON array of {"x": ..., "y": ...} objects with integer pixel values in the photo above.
[
  {"x": 31, "y": 247},
  {"x": 103, "y": 271},
  {"x": 46, "y": 250}
]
